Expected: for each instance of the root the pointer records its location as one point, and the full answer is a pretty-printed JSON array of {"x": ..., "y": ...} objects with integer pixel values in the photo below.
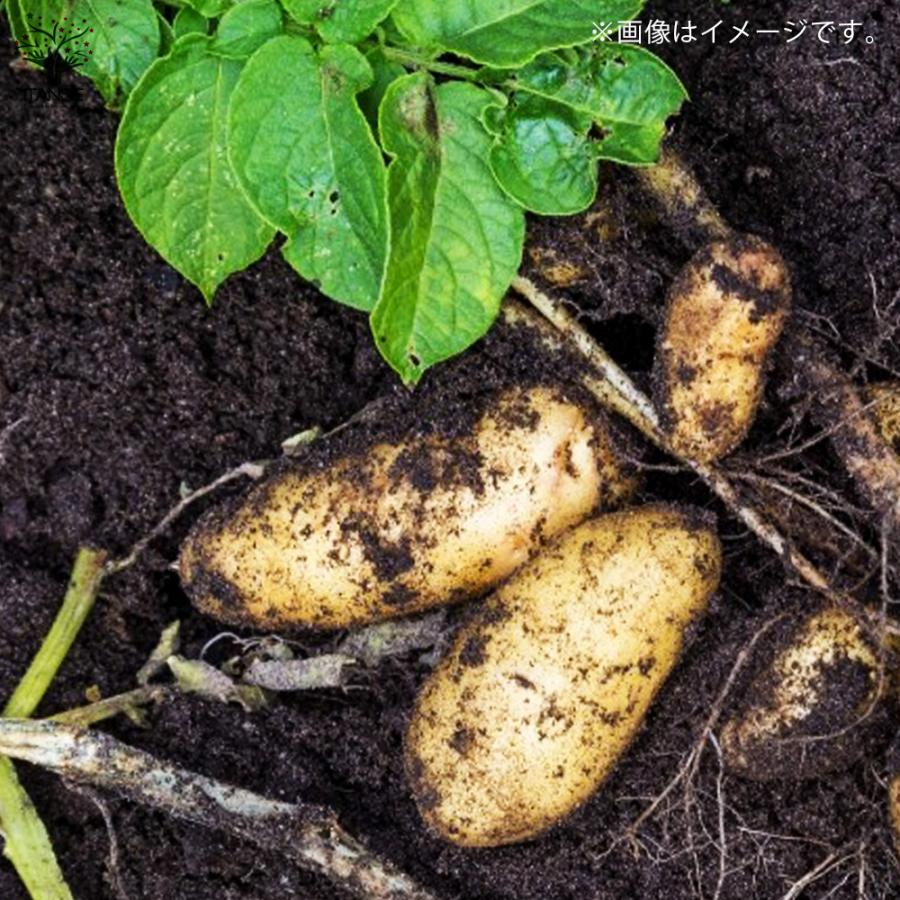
[
  {"x": 115, "y": 875},
  {"x": 307, "y": 835},
  {"x": 254, "y": 470},
  {"x": 689, "y": 767}
]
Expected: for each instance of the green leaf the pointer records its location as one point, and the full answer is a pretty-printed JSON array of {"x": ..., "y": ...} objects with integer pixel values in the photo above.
[
  {"x": 247, "y": 26},
  {"x": 125, "y": 42},
  {"x": 166, "y": 34},
  {"x": 188, "y": 21},
  {"x": 506, "y": 32},
  {"x": 340, "y": 21},
  {"x": 210, "y": 9},
  {"x": 456, "y": 238},
  {"x": 629, "y": 92},
  {"x": 385, "y": 72},
  {"x": 307, "y": 160},
  {"x": 173, "y": 170},
  {"x": 543, "y": 157}
]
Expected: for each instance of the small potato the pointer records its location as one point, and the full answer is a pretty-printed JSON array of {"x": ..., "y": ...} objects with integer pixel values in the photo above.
[
  {"x": 546, "y": 687},
  {"x": 404, "y": 527},
  {"x": 806, "y": 715},
  {"x": 726, "y": 311},
  {"x": 885, "y": 398}
]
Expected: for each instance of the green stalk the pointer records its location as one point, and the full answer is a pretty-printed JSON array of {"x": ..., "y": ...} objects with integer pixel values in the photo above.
[
  {"x": 77, "y": 605},
  {"x": 28, "y": 845},
  {"x": 414, "y": 60}
]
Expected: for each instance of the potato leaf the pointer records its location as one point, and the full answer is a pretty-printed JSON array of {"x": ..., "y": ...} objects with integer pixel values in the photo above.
[
  {"x": 340, "y": 21},
  {"x": 506, "y": 32},
  {"x": 188, "y": 21},
  {"x": 385, "y": 72},
  {"x": 629, "y": 93},
  {"x": 247, "y": 26},
  {"x": 125, "y": 42},
  {"x": 456, "y": 238},
  {"x": 307, "y": 160},
  {"x": 543, "y": 157},
  {"x": 211, "y": 9},
  {"x": 173, "y": 170}
]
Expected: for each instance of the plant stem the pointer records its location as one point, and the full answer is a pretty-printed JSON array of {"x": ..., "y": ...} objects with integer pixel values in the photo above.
[
  {"x": 77, "y": 605},
  {"x": 28, "y": 845},
  {"x": 413, "y": 60},
  {"x": 91, "y": 714},
  {"x": 307, "y": 835}
]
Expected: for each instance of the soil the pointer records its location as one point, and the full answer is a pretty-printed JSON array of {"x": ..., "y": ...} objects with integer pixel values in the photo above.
[{"x": 118, "y": 387}]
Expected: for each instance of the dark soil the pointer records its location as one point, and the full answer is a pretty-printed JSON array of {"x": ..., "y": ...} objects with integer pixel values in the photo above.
[{"x": 118, "y": 386}]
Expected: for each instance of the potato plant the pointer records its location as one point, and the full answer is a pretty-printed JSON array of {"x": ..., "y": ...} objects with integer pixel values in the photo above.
[{"x": 391, "y": 147}]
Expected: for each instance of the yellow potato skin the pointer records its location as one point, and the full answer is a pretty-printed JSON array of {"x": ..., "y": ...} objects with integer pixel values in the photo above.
[
  {"x": 818, "y": 672},
  {"x": 725, "y": 313},
  {"x": 546, "y": 687},
  {"x": 894, "y": 809},
  {"x": 407, "y": 526},
  {"x": 885, "y": 398}
]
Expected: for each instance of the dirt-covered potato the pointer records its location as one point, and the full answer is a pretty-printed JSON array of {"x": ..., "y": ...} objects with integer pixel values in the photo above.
[
  {"x": 547, "y": 685},
  {"x": 894, "y": 790},
  {"x": 808, "y": 713},
  {"x": 407, "y": 526},
  {"x": 725, "y": 313},
  {"x": 885, "y": 400}
]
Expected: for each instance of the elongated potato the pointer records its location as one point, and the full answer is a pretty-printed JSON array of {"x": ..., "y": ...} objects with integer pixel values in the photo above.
[
  {"x": 726, "y": 311},
  {"x": 408, "y": 526},
  {"x": 545, "y": 688},
  {"x": 808, "y": 713}
]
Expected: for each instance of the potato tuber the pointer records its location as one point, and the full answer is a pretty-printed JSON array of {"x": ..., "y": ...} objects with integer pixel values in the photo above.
[
  {"x": 805, "y": 713},
  {"x": 405, "y": 526},
  {"x": 725, "y": 313},
  {"x": 885, "y": 398},
  {"x": 547, "y": 685}
]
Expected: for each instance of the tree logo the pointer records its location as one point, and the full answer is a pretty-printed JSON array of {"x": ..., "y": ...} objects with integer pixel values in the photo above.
[{"x": 63, "y": 48}]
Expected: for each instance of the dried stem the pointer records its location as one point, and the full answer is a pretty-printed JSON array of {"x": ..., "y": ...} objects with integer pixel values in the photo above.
[
  {"x": 304, "y": 834},
  {"x": 109, "y": 707}
]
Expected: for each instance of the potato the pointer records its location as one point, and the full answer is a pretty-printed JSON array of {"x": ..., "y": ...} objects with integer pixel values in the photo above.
[
  {"x": 822, "y": 684},
  {"x": 546, "y": 686},
  {"x": 886, "y": 410},
  {"x": 726, "y": 311},
  {"x": 406, "y": 526},
  {"x": 894, "y": 791}
]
